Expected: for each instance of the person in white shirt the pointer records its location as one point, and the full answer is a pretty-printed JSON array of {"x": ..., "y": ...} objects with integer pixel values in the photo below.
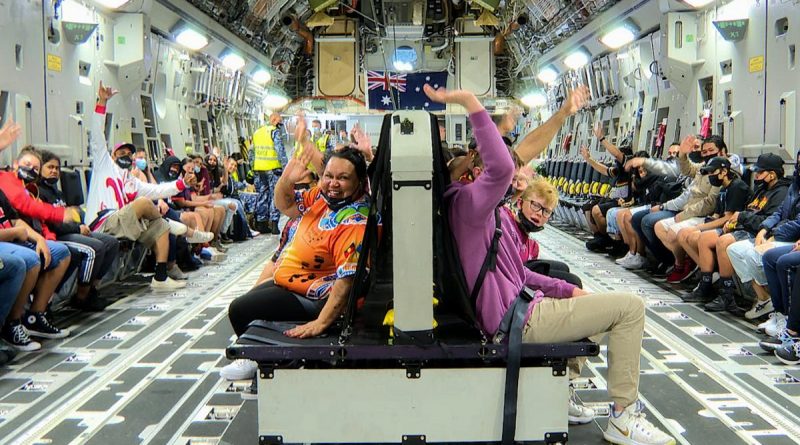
[{"x": 121, "y": 205}]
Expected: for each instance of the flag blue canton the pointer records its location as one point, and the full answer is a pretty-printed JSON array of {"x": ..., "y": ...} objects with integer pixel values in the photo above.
[{"x": 405, "y": 89}]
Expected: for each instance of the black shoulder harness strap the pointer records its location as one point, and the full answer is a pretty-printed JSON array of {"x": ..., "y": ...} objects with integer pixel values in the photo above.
[{"x": 490, "y": 262}]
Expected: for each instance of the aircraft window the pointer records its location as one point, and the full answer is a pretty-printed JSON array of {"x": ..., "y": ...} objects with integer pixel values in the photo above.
[
  {"x": 18, "y": 55},
  {"x": 781, "y": 26},
  {"x": 792, "y": 57},
  {"x": 405, "y": 58},
  {"x": 679, "y": 34}
]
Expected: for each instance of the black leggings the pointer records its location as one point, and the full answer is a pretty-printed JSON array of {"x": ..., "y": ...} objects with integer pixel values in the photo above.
[
  {"x": 557, "y": 269},
  {"x": 270, "y": 302}
]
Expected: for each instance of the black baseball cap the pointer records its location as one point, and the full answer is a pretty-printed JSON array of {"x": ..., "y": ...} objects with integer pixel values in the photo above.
[
  {"x": 768, "y": 162},
  {"x": 715, "y": 164}
]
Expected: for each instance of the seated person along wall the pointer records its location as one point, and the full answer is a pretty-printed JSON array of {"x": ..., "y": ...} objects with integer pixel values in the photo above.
[
  {"x": 700, "y": 241},
  {"x": 121, "y": 205},
  {"x": 95, "y": 251},
  {"x": 699, "y": 203}
]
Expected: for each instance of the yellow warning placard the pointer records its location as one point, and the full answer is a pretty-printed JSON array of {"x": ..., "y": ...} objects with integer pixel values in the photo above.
[
  {"x": 756, "y": 64},
  {"x": 53, "y": 63}
]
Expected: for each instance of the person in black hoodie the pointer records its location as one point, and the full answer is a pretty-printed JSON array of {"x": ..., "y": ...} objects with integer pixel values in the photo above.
[
  {"x": 95, "y": 250},
  {"x": 736, "y": 248}
]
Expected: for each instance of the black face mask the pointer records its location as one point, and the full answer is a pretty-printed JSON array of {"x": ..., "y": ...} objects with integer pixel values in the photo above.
[
  {"x": 50, "y": 181},
  {"x": 27, "y": 174},
  {"x": 759, "y": 182},
  {"x": 124, "y": 162},
  {"x": 509, "y": 194},
  {"x": 527, "y": 225},
  {"x": 336, "y": 204},
  {"x": 709, "y": 157},
  {"x": 696, "y": 157},
  {"x": 173, "y": 175},
  {"x": 715, "y": 181}
]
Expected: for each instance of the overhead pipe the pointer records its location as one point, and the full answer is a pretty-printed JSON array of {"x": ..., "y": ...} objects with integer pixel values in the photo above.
[
  {"x": 302, "y": 31},
  {"x": 499, "y": 43}
]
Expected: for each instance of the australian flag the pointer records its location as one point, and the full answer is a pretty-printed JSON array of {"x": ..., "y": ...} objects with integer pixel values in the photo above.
[{"x": 388, "y": 91}]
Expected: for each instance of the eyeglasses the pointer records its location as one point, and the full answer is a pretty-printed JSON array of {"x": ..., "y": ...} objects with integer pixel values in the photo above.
[{"x": 536, "y": 207}]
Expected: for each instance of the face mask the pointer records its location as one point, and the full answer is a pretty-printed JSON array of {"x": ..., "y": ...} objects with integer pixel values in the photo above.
[
  {"x": 696, "y": 157},
  {"x": 27, "y": 174},
  {"x": 50, "y": 181},
  {"x": 509, "y": 194},
  {"x": 141, "y": 164},
  {"x": 715, "y": 181},
  {"x": 527, "y": 225},
  {"x": 759, "y": 182},
  {"x": 708, "y": 158},
  {"x": 124, "y": 162},
  {"x": 173, "y": 175},
  {"x": 336, "y": 204},
  {"x": 196, "y": 169},
  {"x": 315, "y": 130}
]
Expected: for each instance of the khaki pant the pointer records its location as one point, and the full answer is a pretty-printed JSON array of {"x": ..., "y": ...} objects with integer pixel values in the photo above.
[
  {"x": 124, "y": 224},
  {"x": 620, "y": 315}
]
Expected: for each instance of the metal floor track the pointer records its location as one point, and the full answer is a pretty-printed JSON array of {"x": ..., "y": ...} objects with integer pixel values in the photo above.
[{"x": 146, "y": 371}]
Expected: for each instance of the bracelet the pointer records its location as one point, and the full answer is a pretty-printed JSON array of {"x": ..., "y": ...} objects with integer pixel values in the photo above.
[{"x": 602, "y": 139}]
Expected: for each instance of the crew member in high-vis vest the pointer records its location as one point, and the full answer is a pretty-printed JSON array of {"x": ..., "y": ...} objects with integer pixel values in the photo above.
[
  {"x": 320, "y": 137},
  {"x": 268, "y": 158}
]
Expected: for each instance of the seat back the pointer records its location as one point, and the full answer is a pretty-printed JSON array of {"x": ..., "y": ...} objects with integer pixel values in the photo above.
[{"x": 72, "y": 188}]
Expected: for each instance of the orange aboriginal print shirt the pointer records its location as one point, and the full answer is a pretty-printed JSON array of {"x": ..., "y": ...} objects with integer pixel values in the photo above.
[{"x": 325, "y": 247}]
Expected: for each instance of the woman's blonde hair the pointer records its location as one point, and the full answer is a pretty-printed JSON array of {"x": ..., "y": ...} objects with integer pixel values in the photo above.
[{"x": 540, "y": 188}]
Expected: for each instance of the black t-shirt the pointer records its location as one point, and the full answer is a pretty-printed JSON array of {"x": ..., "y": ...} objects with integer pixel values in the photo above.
[
  {"x": 734, "y": 197},
  {"x": 7, "y": 212}
]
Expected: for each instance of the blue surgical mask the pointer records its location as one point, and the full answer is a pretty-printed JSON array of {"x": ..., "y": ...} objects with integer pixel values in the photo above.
[
  {"x": 141, "y": 164},
  {"x": 196, "y": 169}
]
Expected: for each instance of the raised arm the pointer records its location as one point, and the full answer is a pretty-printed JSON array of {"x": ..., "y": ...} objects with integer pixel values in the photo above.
[
  {"x": 535, "y": 142},
  {"x": 600, "y": 167},
  {"x": 284, "y": 191},
  {"x": 610, "y": 148}
]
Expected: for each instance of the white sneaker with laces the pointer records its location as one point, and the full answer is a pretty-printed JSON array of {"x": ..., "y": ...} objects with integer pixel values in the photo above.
[
  {"x": 241, "y": 369},
  {"x": 635, "y": 262},
  {"x": 631, "y": 427},
  {"x": 176, "y": 228},
  {"x": 622, "y": 260},
  {"x": 760, "y": 308},
  {"x": 770, "y": 323},
  {"x": 168, "y": 284},
  {"x": 199, "y": 237},
  {"x": 780, "y": 325},
  {"x": 578, "y": 413},
  {"x": 216, "y": 255}
]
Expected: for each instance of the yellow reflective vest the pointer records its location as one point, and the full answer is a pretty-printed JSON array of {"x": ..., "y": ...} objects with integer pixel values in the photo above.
[{"x": 266, "y": 157}]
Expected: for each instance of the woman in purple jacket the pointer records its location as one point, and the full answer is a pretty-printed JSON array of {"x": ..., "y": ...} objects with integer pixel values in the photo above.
[{"x": 560, "y": 312}]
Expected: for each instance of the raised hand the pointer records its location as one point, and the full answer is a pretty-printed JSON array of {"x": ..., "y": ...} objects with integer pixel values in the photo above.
[
  {"x": 634, "y": 163},
  {"x": 576, "y": 99},
  {"x": 598, "y": 131},
  {"x": 296, "y": 168},
  {"x": 461, "y": 97},
  {"x": 9, "y": 133},
  {"x": 687, "y": 144},
  {"x": 584, "y": 152},
  {"x": 300, "y": 134},
  {"x": 104, "y": 93}
]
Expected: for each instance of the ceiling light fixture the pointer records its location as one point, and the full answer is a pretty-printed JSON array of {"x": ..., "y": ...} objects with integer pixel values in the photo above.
[
  {"x": 261, "y": 76},
  {"x": 233, "y": 61},
  {"x": 191, "y": 39},
  {"x": 547, "y": 75},
  {"x": 697, "y": 3},
  {"x": 275, "y": 101},
  {"x": 534, "y": 100},
  {"x": 620, "y": 36},
  {"x": 577, "y": 59},
  {"x": 113, "y": 4}
]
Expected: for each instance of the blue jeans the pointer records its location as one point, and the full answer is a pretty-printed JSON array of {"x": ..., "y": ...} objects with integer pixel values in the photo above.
[
  {"x": 645, "y": 225},
  {"x": 265, "y": 183},
  {"x": 12, "y": 274},
  {"x": 21, "y": 251},
  {"x": 778, "y": 264}
]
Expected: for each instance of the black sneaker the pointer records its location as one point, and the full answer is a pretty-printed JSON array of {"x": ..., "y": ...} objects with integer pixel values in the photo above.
[
  {"x": 39, "y": 326},
  {"x": 698, "y": 295},
  {"x": 725, "y": 301},
  {"x": 15, "y": 334},
  {"x": 88, "y": 304}
]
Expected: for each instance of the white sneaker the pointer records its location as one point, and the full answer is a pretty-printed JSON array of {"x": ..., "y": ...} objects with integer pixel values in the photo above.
[
  {"x": 241, "y": 369},
  {"x": 216, "y": 255},
  {"x": 254, "y": 233},
  {"x": 759, "y": 309},
  {"x": 176, "y": 273},
  {"x": 176, "y": 228},
  {"x": 578, "y": 414},
  {"x": 199, "y": 237},
  {"x": 780, "y": 325},
  {"x": 168, "y": 284},
  {"x": 622, "y": 260},
  {"x": 635, "y": 262},
  {"x": 770, "y": 323},
  {"x": 631, "y": 428}
]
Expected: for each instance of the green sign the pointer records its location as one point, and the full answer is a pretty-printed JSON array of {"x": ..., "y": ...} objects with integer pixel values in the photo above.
[
  {"x": 77, "y": 33},
  {"x": 732, "y": 30},
  {"x": 121, "y": 40}
]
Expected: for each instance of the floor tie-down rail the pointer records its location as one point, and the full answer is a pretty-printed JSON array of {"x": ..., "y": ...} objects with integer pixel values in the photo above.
[{"x": 318, "y": 391}]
